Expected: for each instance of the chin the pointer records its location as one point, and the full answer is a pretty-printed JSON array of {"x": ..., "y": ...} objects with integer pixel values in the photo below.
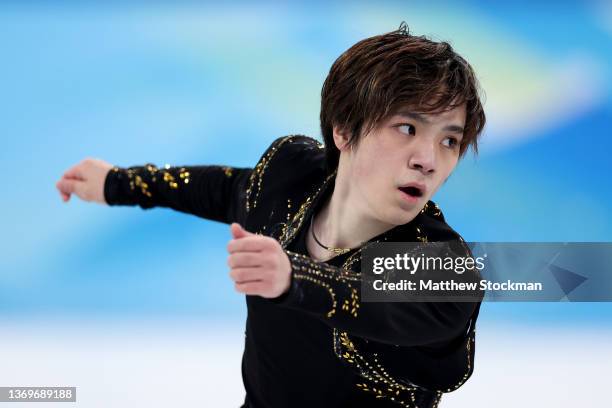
[{"x": 404, "y": 217}]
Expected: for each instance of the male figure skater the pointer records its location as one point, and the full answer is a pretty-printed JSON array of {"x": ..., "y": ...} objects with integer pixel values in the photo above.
[{"x": 397, "y": 113}]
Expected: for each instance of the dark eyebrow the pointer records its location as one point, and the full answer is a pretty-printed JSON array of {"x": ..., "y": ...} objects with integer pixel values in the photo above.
[{"x": 420, "y": 118}]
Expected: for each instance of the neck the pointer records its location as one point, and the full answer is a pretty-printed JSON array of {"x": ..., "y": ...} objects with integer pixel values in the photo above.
[{"x": 344, "y": 221}]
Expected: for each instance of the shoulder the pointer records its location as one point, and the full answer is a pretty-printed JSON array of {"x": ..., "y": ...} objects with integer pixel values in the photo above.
[
  {"x": 291, "y": 155},
  {"x": 289, "y": 160},
  {"x": 434, "y": 226},
  {"x": 293, "y": 147}
]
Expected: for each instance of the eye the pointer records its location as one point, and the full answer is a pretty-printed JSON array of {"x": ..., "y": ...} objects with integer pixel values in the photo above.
[
  {"x": 407, "y": 128},
  {"x": 452, "y": 142}
]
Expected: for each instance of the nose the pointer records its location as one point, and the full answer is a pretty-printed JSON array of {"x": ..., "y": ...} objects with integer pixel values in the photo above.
[{"x": 423, "y": 156}]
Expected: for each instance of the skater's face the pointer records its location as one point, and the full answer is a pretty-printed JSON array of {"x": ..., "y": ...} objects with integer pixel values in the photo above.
[{"x": 407, "y": 148}]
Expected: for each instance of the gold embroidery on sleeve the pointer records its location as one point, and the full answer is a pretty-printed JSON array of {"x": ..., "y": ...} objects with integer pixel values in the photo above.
[
  {"x": 228, "y": 171},
  {"x": 184, "y": 175}
]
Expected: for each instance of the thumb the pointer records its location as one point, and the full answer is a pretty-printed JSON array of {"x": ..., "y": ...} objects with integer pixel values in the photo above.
[{"x": 239, "y": 232}]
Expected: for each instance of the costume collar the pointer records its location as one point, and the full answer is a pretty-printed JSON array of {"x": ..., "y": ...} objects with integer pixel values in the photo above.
[{"x": 411, "y": 231}]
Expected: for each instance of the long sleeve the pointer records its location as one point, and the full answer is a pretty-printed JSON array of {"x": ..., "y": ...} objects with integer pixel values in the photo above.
[
  {"x": 332, "y": 294},
  {"x": 213, "y": 192}
]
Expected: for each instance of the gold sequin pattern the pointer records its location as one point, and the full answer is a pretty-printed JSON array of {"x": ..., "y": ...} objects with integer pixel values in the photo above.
[
  {"x": 324, "y": 275},
  {"x": 144, "y": 187},
  {"x": 256, "y": 178},
  {"x": 431, "y": 208},
  {"x": 138, "y": 176},
  {"x": 290, "y": 229},
  {"x": 169, "y": 178},
  {"x": 377, "y": 380},
  {"x": 184, "y": 175},
  {"x": 419, "y": 234},
  {"x": 468, "y": 372},
  {"x": 327, "y": 286},
  {"x": 437, "y": 400},
  {"x": 288, "y": 209}
]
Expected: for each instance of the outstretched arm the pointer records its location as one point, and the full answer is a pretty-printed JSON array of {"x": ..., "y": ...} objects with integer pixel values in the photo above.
[{"x": 212, "y": 192}]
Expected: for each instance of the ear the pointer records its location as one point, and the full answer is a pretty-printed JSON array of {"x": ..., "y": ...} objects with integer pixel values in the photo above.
[{"x": 341, "y": 138}]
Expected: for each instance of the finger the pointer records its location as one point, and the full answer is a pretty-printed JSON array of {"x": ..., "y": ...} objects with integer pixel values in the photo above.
[
  {"x": 242, "y": 275},
  {"x": 70, "y": 186},
  {"x": 244, "y": 260},
  {"x": 249, "y": 244},
  {"x": 250, "y": 288},
  {"x": 239, "y": 232},
  {"x": 65, "y": 196},
  {"x": 65, "y": 186},
  {"x": 75, "y": 172}
]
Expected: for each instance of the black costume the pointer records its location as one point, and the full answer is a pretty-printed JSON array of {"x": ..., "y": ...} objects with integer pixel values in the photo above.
[{"x": 317, "y": 345}]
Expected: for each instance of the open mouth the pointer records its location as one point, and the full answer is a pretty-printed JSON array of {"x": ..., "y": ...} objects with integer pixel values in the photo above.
[{"x": 412, "y": 191}]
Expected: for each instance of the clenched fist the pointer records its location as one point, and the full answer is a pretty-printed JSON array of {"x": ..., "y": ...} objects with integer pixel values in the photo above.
[
  {"x": 86, "y": 180},
  {"x": 258, "y": 264}
]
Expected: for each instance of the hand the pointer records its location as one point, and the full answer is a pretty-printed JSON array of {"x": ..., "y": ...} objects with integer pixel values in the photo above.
[
  {"x": 86, "y": 180},
  {"x": 258, "y": 264}
]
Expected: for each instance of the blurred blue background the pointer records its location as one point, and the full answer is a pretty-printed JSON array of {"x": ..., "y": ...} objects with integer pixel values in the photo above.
[{"x": 190, "y": 83}]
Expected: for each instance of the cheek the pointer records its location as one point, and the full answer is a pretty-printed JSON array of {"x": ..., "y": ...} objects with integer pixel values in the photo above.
[
  {"x": 362, "y": 164},
  {"x": 372, "y": 170},
  {"x": 367, "y": 173},
  {"x": 360, "y": 169},
  {"x": 375, "y": 164}
]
